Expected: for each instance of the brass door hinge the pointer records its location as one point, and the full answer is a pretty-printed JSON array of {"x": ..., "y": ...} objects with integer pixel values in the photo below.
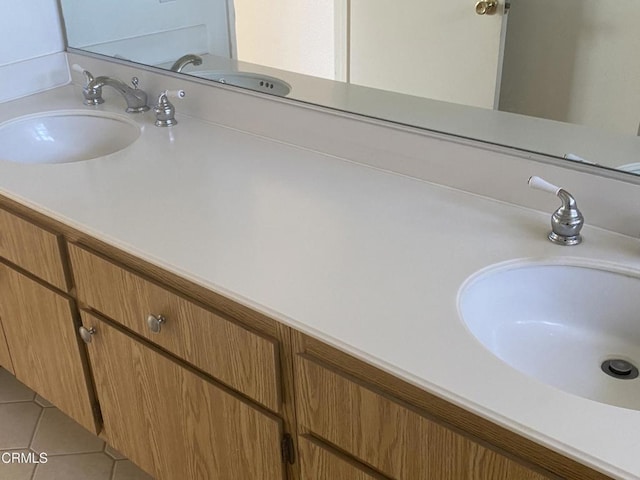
[{"x": 288, "y": 450}]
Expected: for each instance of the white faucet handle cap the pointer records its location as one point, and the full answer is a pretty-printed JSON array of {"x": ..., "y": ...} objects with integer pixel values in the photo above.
[
  {"x": 77, "y": 68},
  {"x": 540, "y": 184},
  {"x": 175, "y": 93}
]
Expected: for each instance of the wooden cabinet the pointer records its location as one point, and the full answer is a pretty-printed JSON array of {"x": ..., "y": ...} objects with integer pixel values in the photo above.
[
  {"x": 240, "y": 358},
  {"x": 387, "y": 434},
  {"x": 46, "y": 355},
  {"x": 33, "y": 248},
  {"x": 212, "y": 395},
  {"x": 195, "y": 399},
  {"x": 38, "y": 342},
  {"x": 172, "y": 422}
]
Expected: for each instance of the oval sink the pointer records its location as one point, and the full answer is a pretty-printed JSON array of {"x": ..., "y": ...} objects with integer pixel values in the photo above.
[
  {"x": 65, "y": 136},
  {"x": 252, "y": 81},
  {"x": 575, "y": 326}
]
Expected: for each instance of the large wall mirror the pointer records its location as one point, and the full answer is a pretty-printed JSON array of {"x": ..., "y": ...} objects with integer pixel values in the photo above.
[{"x": 555, "y": 77}]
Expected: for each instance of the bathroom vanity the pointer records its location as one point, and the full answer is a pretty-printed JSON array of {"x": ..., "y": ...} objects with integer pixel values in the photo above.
[
  {"x": 218, "y": 304},
  {"x": 219, "y": 390}
]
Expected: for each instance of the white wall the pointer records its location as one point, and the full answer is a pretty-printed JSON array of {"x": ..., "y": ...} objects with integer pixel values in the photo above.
[
  {"x": 148, "y": 31},
  {"x": 31, "y": 57},
  {"x": 294, "y": 35},
  {"x": 574, "y": 61}
]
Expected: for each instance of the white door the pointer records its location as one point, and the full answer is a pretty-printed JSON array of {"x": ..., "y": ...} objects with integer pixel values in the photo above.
[
  {"x": 440, "y": 50},
  {"x": 437, "y": 49}
]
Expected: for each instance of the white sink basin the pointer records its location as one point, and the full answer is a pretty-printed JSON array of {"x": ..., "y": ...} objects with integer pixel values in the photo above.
[
  {"x": 252, "y": 81},
  {"x": 65, "y": 136},
  {"x": 559, "y": 323}
]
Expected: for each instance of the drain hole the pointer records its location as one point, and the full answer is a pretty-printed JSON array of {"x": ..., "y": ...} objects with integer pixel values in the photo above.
[{"x": 618, "y": 368}]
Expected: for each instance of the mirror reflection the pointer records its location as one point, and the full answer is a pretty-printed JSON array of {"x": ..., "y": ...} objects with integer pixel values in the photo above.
[{"x": 457, "y": 67}]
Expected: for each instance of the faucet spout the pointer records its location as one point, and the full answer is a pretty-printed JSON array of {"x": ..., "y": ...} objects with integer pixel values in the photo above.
[
  {"x": 136, "y": 99},
  {"x": 186, "y": 60},
  {"x": 566, "y": 221}
]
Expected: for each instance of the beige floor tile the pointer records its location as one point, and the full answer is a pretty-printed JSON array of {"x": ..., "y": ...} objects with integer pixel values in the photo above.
[
  {"x": 16, "y": 469},
  {"x": 125, "y": 470},
  {"x": 58, "y": 434},
  {"x": 11, "y": 390},
  {"x": 87, "y": 466},
  {"x": 73, "y": 453},
  {"x": 18, "y": 421}
]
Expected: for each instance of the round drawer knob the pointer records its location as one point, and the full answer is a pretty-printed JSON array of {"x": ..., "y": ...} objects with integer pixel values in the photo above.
[
  {"x": 86, "y": 334},
  {"x": 155, "y": 322}
]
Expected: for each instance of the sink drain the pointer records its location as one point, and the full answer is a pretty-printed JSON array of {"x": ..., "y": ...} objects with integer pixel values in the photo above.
[{"x": 618, "y": 368}]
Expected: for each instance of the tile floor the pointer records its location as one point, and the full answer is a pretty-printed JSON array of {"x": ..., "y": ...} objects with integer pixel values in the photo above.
[{"x": 31, "y": 425}]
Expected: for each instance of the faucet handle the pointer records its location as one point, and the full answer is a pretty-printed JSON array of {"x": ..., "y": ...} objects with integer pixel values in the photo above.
[
  {"x": 134, "y": 82},
  {"x": 87, "y": 74},
  {"x": 164, "y": 110},
  {"x": 566, "y": 221},
  {"x": 541, "y": 184},
  {"x": 92, "y": 96}
]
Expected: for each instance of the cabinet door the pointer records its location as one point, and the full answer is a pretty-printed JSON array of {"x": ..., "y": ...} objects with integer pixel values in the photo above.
[
  {"x": 41, "y": 334},
  {"x": 171, "y": 421},
  {"x": 392, "y": 437}
]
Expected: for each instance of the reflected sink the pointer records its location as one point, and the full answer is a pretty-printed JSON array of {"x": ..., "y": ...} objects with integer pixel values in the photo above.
[
  {"x": 65, "y": 136},
  {"x": 252, "y": 81},
  {"x": 574, "y": 325}
]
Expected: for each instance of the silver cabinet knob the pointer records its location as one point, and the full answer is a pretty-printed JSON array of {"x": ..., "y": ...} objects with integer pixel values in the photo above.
[
  {"x": 155, "y": 322},
  {"x": 486, "y": 7},
  {"x": 86, "y": 334}
]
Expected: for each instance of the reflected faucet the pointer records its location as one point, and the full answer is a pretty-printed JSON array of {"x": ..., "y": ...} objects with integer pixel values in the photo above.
[
  {"x": 186, "y": 60},
  {"x": 136, "y": 99}
]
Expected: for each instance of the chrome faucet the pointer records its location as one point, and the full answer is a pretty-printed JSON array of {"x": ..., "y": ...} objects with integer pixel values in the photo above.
[
  {"x": 186, "y": 60},
  {"x": 566, "y": 221},
  {"x": 136, "y": 99}
]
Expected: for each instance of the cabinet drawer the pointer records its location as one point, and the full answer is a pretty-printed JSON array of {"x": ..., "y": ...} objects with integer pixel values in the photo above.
[
  {"x": 238, "y": 357},
  {"x": 392, "y": 437},
  {"x": 33, "y": 248},
  {"x": 319, "y": 463}
]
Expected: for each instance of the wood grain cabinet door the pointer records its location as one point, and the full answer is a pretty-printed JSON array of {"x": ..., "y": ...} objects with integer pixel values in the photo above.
[
  {"x": 392, "y": 437},
  {"x": 171, "y": 421},
  {"x": 46, "y": 354}
]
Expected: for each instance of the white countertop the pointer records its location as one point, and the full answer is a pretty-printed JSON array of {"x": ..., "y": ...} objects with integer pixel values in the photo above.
[{"x": 368, "y": 261}]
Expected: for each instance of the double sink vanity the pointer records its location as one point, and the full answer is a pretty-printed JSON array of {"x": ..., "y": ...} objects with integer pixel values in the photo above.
[{"x": 217, "y": 304}]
